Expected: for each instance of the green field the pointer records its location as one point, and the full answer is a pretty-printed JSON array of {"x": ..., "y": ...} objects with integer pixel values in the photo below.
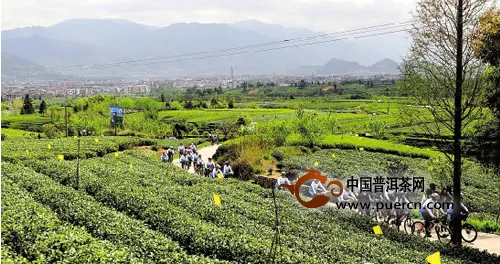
[{"x": 129, "y": 207}]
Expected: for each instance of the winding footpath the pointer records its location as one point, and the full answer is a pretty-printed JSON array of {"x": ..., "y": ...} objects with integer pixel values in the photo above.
[{"x": 484, "y": 241}]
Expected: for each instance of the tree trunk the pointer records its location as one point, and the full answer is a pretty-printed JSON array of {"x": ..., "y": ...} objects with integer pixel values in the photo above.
[{"x": 457, "y": 148}]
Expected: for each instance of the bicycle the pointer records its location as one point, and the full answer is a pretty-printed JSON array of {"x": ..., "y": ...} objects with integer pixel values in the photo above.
[
  {"x": 469, "y": 231},
  {"x": 443, "y": 232},
  {"x": 404, "y": 219}
]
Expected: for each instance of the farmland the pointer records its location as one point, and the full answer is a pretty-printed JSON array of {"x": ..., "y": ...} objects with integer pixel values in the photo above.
[
  {"x": 155, "y": 212},
  {"x": 127, "y": 206}
]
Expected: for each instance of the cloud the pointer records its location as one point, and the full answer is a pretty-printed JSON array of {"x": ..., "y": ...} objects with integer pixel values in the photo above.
[{"x": 320, "y": 15}]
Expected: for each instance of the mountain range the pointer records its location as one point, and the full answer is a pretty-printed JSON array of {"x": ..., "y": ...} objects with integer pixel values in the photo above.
[{"x": 94, "y": 41}]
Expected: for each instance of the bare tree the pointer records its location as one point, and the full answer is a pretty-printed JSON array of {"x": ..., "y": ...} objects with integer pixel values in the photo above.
[{"x": 443, "y": 78}]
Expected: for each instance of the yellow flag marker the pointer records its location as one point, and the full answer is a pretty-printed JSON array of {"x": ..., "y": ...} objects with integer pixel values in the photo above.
[
  {"x": 116, "y": 154},
  {"x": 220, "y": 176},
  {"x": 377, "y": 230},
  {"x": 131, "y": 166},
  {"x": 49, "y": 146},
  {"x": 333, "y": 156},
  {"x": 27, "y": 152},
  {"x": 60, "y": 157},
  {"x": 75, "y": 137},
  {"x": 216, "y": 199},
  {"x": 316, "y": 164},
  {"x": 361, "y": 149},
  {"x": 96, "y": 140},
  {"x": 434, "y": 258}
]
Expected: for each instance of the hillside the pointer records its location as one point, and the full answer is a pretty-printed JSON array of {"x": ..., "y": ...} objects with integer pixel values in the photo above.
[
  {"x": 16, "y": 67},
  {"x": 90, "y": 41},
  {"x": 342, "y": 67}
]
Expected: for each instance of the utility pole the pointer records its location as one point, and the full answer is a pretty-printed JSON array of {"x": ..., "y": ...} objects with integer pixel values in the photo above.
[
  {"x": 78, "y": 167},
  {"x": 457, "y": 148},
  {"x": 232, "y": 78},
  {"x": 66, "y": 109}
]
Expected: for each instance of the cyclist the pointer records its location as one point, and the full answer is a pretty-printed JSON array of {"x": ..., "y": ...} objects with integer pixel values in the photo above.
[
  {"x": 429, "y": 192},
  {"x": 347, "y": 195},
  {"x": 211, "y": 138},
  {"x": 170, "y": 153},
  {"x": 426, "y": 213},
  {"x": 315, "y": 186},
  {"x": 365, "y": 198},
  {"x": 464, "y": 212},
  {"x": 228, "y": 171},
  {"x": 401, "y": 199},
  {"x": 164, "y": 156}
]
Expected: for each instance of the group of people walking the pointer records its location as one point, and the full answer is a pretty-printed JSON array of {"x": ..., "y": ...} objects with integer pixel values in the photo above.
[{"x": 189, "y": 156}]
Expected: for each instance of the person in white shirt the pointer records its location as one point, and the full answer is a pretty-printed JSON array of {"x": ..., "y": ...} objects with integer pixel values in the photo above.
[
  {"x": 184, "y": 160},
  {"x": 170, "y": 153},
  {"x": 281, "y": 180},
  {"x": 217, "y": 171},
  {"x": 228, "y": 171},
  {"x": 209, "y": 167},
  {"x": 315, "y": 186},
  {"x": 347, "y": 195},
  {"x": 181, "y": 149},
  {"x": 425, "y": 212}
]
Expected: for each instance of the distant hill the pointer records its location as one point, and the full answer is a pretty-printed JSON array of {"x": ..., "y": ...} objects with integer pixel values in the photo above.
[
  {"x": 15, "y": 67},
  {"x": 342, "y": 67},
  {"x": 94, "y": 41}
]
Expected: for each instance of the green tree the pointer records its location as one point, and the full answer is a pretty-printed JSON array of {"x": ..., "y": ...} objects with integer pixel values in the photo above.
[
  {"x": 214, "y": 102},
  {"x": 486, "y": 46},
  {"x": 311, "y": 129},
  {"x": 302, "y": 84},
  {"x": 442, "y": 73},
  {"x": 43, "y": 107},
  {"x": 27, "y": 106},
  {"x": 280, "y": 132}
]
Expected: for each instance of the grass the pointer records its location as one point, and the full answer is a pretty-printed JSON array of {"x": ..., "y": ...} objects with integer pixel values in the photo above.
[
  {"x": 16, "y": 133},
  {"x": 211, "y": 115},
  {"x": 369, "y": 144}
]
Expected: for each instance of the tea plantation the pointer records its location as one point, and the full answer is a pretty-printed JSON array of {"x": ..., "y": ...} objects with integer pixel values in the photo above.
[{"x": 130, "y": 208}]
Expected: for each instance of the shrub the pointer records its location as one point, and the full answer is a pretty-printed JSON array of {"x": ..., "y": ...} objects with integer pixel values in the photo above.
[
  {"x": 305, "y": 150},
  {"x": 278, "y": 155},
  {"x": 50, "y": 130},
  {"x": 243, "y": 170},
  {"x": 253, "y": 105}
]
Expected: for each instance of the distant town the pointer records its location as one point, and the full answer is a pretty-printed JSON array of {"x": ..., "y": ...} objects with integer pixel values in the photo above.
[{"x": 79, "y": 88}]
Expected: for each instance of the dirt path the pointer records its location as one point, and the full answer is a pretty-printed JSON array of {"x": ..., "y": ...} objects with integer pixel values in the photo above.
[
  {"x": 206, "y": 152},
  {"x": 484, "y": 241}
]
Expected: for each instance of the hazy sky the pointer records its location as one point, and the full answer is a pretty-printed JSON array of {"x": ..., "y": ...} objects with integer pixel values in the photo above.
[{"x": 321, "y": 15}]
